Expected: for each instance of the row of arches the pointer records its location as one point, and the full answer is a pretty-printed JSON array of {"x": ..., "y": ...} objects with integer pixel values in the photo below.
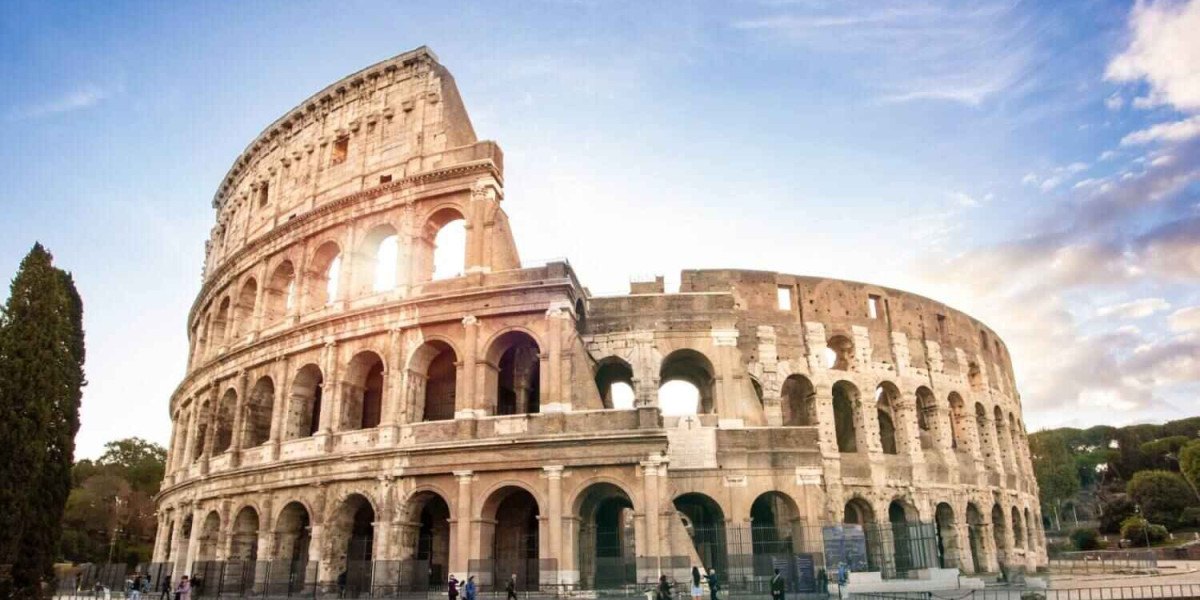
[
  {"x": 839, "y": 355},
  {"x": 374, "y": 265}
]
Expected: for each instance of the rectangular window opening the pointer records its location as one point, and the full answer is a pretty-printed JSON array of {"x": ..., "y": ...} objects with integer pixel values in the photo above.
[
  {"x": 783, "y": 297},
  {"x": 385, "y": 179},
  {"x": 873, "y": 306},
  {"x": 941, "y": 325},
  {"x": 264, "y": 194},
  {"x": 340, "y": 149}
]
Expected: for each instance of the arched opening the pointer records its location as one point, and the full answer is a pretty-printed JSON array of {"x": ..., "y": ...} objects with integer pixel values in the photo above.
[
  {"x": 580, "y": 316},
  {"x": 975, "y": 531},
  {"x": 201, "y": 430},
  {"x": 509, "y": 537},
  {"x": 323, "y": 276},
  {"x": 958, "y": 421},
  {"x": 906, "y": 543},
  {"x": 444, "y": 239},
  {"x": 927, "y": 418},
  {"x": 220, "y": 324},
  {"x": 433, "y": 377},
  {"x": 1018, "y": 529},
  {"x": 377, "y": 256},
  {"x": 1002, "y": 451},
  {"x": 947, "y": 537},
  {"x": 430, "y": 551},
  {"x": 606, "y": 553},
  {"x": 704, "y": 521},
  {"x": 614, "y": 381},
  {"x": 304, "y": 413},
  {"x": 1000, "y": 533},
  {"x": 244, "y": 309},
  {"x": 974, "y": 377},
  {"x": 260, "y": 410},
  {"x": 224, "y": 422},
  {"x": 686, "y": 388},
  {"x": 280, "y": 294},
  {"x": 756, "y": 387},
  {"x": 244, "y": 545},
  {"x": 1014, "y": 436},
  {"x": 1030, "y": 532},
  {"x": 886, "y": 396},
  {"x": 293, "y": 536},
  {"x": 845, "y": 405},
  {"x": 799, "y": 402},
  {"x": 858, "y": 512},
  {"x": 839, "y": 353},
  {"x": 210, "y": 530},
  {"x": 774, "y": 532},
  {"x": 363, "y": 405},
  {"x": 981, "y": 430},
  {"x": 351, "y": 533},
  {"x": 515, "y": 374},
  {"x": 200, "y": 351}
]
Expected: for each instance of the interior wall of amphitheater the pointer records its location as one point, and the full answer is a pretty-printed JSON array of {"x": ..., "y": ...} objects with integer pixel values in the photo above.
[{"x": 343, "y": 405}]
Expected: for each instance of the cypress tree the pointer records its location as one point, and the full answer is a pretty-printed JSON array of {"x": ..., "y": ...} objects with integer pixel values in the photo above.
[{"x": 41, "y": 375}]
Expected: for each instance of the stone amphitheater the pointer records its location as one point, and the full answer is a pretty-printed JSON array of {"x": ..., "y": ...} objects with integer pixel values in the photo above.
[{"x": 347, "y": 416}]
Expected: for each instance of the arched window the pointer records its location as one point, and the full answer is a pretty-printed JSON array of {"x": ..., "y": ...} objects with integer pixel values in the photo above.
[
  {"x": 845, "y": 405},
  {"x": 304, "y": 418},
  {"x": 686, "y": 383},
  {"x": 704, "y": 521},
  {"x": 280, "y": 293},
  {"x": 323, "y": 276},
  {"x": 1002, "y": 450},
  {"x": 614, "y": 381},
  {"x": 839, "y": 353},
  {"x": 434, "y": 372},
  {"x": 958, "y": 421},
  {"x": 885, "y": 397},
  {"x": 363, "y": 407},
  {"x": 377, "y": 255},
  {"x": 927, "y": 417},
  {"x": 799, "y": 402},
  {"x": 260, "y": 411},
  {"x": 201, "y": 436},
  {"x": 974, "y": 377},
  {"x": 516, "y": 382},
  {"x": 442, "y": 252},
  {"x": 224, "y": 422},
  {"x": 999, "y": 528},
  {"x": 221, "y": 322},
  {"x": 244, "y": 309},
  {"x": 293, "y": 536},
  {"x": 981, "y": 430},
  {"x": 1018, "y": 529}
]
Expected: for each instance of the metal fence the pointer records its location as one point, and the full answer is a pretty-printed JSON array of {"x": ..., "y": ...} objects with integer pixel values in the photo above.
[
  {"x": 1131, "y": 592},
  {"x": 1103, "y": 561}
]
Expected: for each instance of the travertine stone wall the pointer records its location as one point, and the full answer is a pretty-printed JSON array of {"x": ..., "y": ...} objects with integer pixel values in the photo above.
[{"x": 320, "y": 403}]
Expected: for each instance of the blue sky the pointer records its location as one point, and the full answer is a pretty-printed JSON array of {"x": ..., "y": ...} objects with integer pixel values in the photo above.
[{"x": 1032, "y": 163}]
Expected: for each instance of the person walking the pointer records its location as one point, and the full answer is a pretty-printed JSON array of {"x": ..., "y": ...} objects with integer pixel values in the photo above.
[
  {"x": 166, "y": 588},
  {"x": 135, "y": 587},
  {"x": 341, "y": 583},
  {"x": 511, "y": 588},
  {"x": 184, "y": 590},
  {"x": 713, "y": 586},
  {"x": 777, "y": 586},
  {"x": 452, "y": 587},
  {"x": 697, "y": 589},
  {"x": 469, "y": 589},
  {"x": 664, "y": 588}
]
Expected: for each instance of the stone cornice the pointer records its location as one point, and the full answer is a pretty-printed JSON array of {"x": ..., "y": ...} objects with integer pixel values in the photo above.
[{"x": 485, "y": 166}]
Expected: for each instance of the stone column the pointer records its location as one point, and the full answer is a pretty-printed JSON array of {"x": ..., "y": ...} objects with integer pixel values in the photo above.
[
  {"x": 469, "y": 400},
  {"x": 908, "y": 428},
  {"x": 554, "y": 475},
  {"x": 461, "y": 557},
  {"x": 210, "y": 433},
  {"x": 331, "y": 402},
  {"x": 179, "y": 555},
  {"x": 239, "y": 420},
  {"x": 651, "y": 509},
  {"x": 280, "y": 404},
  {"x": 726, "y": 389},
  {"x": 554, "y": 400},
  {"x": 393, "y": 389}
]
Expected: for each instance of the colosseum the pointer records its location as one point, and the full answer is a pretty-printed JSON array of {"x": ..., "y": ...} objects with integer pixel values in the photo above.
[{"x": 350, "y": 417}]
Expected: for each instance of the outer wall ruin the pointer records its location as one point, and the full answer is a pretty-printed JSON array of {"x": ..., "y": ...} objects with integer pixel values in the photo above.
[{"x": 470, "y": 424}]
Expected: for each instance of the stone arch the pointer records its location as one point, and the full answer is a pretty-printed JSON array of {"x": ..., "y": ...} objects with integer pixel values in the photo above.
[
  {"x": 580, "y": 316},
  {"x": 981, "y": 419},
  {"x": 220, "y": 323},
  {"x": 946, "y": 527},
  {"x": 959, "y": 427},
  {"x": 605, "y": 552},
  {"x": 202, "y": 433},
  {"x": 846, "y": 418},
  {"x": 1018, "y": 529},
  {"x": 694, "y": 368},
  {"x": 839, "y": 353},
  {"x": 426, "y": 518},
  {"x": 304, "y": 408},
  {"x": 376, "y": 261},
  {"x": 1000, "y": 531},
  {"x": 200, "y": 336},
  {"x": 433, "y": 381},
  {"x": 513, "y": 374},
  {"x": 775, "y": 530},
  {"x": 244, "y": 309},
  {"x": 509, "y": 534},
  {"x": 363, "y": 391},
  {"x": 974, "y": 377},
  {"x": 928, "y": 426},
  {"x": 243, "y": 544},
  {"x": 1030, "y": 532},
  {"x": 976, "y": 529},
  {"x": 223, "y": 421},
  {"x": 279, "y": 295},
  {"x": 429, "y": 263},
  {"x": 704, "y": 520},
  {"x": 887, "y": 395},
  {"x": 293, "y": 535},
  {"x": 614, "y": 382},
  {"x": 208, "y": 540},
  {"x": 260, "y": 411},
  {"x": 350, "y": 539},
  {"x": 799, "y": 401},
  {"x": 324, "y": 271},
  {"x": 1002, "y": 453},
  {"x": 906, "y": 551}
]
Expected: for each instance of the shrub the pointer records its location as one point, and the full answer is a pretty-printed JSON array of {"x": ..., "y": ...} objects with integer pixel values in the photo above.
[
  {"x": 1086, "y": 538},
  {"x": 1138, "y": 530},
  {"x": 1162, "y": 494},
  {"x": 1190, "y": 517},
  {"x": 1115, "y": 513}
]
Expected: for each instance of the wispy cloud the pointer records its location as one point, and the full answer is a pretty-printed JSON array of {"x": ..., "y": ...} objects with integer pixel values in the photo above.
[
  {"x": 1134, "y": 309},
  {"x": 1176, "y": 131},
  {"x": 1163, "y": 51},
  {"x": 85, "y": 97}
]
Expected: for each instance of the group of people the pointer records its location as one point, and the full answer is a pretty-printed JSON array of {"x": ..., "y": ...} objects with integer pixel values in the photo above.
[
  {"x": 710, "y": 577},
  {"x": 469, "y": 590}
]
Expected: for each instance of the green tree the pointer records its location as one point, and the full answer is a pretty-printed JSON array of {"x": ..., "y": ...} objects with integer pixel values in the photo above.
[
  {"x": 41, "y": 375},
  {"x": 1162, "y": 495},
  {"x": 142, "y": 463},
  {"x": 1055, "y": 469},
  {"x": 113, "y": 494},
  {"x": 1189, "y": 463}
]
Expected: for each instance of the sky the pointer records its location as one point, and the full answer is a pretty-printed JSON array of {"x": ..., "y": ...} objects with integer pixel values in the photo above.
[{"x": 1034, "y": 164}]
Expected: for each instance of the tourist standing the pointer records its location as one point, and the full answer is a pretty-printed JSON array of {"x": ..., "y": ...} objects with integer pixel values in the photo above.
[
  {"x": 469, "y": 589},
  {"x": 135, "y": 587},
  {"x": 664, "y": 588},
  {"x": 452, "y": 587},
  {"x": 166, "y": 588},
  {"x": 713, "y": 586},
  {"x": 697, "y": 590},
  {"x": 184, "y": 591},
  {"x": 777, "y": 586},
  {"x": 511, "y": 588}
]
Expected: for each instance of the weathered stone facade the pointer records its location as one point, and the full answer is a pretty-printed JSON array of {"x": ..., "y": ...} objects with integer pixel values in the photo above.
[{"x": 458, "y": 421}]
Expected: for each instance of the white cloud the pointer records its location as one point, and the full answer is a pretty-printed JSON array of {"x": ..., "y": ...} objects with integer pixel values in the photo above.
[
  {"x": 1135, "y": 309},
  {"x": 84, "y": 97},
  {"x": 1185, "y": 320},
  {"x": 1050, "y": 183},
  {"x": 1107, "y": 154},
  {"x": 1178, "y": 131},
  {"x": 1075, "y": 167},
  {"x": 1164, "y": 49},
  {"x": 1162, "y": 160},
  {"x": 1089, "y": 182},
  {"x": 1114, "y": 102},
  {"x": 1029, "y": 179},
  {"x": 963, "y": 198}
]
